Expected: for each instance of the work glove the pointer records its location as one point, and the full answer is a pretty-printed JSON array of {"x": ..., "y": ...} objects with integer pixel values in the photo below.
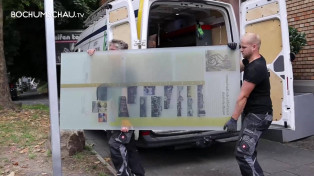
[
  {"x": 231, "y": 125},
  {"x": 232, "y": 45}
]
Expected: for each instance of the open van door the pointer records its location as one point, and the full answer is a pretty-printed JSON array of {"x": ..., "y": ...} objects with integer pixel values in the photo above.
[
  {"x": 268, "y": 18},
  {"x": 121, "y": 23}
]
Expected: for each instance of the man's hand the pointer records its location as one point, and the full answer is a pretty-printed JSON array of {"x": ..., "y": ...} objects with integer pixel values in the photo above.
[
  {"x": 124, "y": 129},
  {"x": 231, "y": 125},
  {"x": 91, "y": 51}
]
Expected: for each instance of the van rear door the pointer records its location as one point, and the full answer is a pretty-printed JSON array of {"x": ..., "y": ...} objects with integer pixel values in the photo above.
[
  {"x": 269, "y": 20},
  {"x": 121, "y": 23}
]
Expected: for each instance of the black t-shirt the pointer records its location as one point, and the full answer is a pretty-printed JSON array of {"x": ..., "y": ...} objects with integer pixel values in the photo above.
[{"x": 259, "y": 101}]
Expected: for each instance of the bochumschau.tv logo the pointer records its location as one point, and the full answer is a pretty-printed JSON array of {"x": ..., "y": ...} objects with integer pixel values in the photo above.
[{"x": 55, "y": 14}]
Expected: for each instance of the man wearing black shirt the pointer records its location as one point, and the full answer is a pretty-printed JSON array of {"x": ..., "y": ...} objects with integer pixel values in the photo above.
[{"x": 255, "y": 104}]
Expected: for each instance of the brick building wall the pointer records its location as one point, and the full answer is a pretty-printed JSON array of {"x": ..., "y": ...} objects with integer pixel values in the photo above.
[{"x": 301, "y": 16}]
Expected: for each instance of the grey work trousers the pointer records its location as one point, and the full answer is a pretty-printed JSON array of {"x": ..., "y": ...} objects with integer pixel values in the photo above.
[
  {"x": 253, "y": 127},
  {"x": 125, "y": 156}
]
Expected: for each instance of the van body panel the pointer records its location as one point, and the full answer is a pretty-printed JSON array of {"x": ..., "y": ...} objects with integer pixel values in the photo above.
[
  {"x": 98, "y": 35},
  {"x": 269, "y": 20},
  {"x": 121, "y": 23},
  {"x": 84, "y": 39}
]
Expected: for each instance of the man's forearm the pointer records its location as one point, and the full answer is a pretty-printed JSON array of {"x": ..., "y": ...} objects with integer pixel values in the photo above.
[{"x": 239, "y": 108}]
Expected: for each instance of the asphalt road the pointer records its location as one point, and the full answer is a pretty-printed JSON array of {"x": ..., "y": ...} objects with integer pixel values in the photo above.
[
  {"x": 32, "y": 98},
  {"x": 276, "y": 159},
  {"x": 216, "y": 160}
]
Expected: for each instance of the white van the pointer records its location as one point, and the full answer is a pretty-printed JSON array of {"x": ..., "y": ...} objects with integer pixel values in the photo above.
[{"x": 198, "y": 23}]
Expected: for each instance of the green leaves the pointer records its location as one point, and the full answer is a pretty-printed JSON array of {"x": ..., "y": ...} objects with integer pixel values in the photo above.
[
  {"x": 24, "y": 34},
  {"x": 297, "y": 40},
  {"x": 85, "y": 7},
  {"x": 20, "y": 5}
]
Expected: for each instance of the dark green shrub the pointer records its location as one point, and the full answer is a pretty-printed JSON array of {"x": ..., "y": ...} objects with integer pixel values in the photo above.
[{"x": 297, "y": 40}]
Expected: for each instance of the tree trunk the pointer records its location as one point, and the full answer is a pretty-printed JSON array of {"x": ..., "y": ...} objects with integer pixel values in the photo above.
[{"x": 5, "y": 97}]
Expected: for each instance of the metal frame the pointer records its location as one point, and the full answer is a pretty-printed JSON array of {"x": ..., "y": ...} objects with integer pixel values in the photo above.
[{"x": 52, "y": 86}]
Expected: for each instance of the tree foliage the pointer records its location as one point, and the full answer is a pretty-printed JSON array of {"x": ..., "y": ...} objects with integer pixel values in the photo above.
[
  {"x": 82, "y": 6},
  {"x": 24, "y": 38},
  {"x": 20, "y": 5}
]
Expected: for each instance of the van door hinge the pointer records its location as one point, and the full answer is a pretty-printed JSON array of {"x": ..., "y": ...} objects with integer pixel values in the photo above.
[{"x": 140, "y": 43}]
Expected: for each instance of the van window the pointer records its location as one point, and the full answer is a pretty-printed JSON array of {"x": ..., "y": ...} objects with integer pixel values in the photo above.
[{"x": 176, "y": 24}]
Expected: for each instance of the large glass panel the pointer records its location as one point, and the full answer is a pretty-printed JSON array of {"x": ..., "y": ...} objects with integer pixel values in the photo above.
[{"x": 165, "y": 88}]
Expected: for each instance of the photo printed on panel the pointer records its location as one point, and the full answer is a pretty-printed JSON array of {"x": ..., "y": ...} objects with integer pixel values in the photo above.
[
  {"x": 180, "y": 100},
  {"x": 200, "y": 101},
  {"x": 149, "y": 90},
  {"x": 156, "y": 106},
  {"x": 102, "y": 106},
  {"x": 143, "y": 109},
  {"x": 132, "y": 93},
  {"x": 102, "y": 92},
  {"x": 95, "y": 106},
  {"x": 167, "y": 96},
  {"x": 123, "y": 108},
  {"x": 102, "y": 117},
  {"x": 190, "y": 101},
  {"x": 217, "y": 61}
]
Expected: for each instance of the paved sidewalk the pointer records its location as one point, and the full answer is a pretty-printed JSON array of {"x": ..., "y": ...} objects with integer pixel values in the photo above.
[{"x": 279, "y": 159}]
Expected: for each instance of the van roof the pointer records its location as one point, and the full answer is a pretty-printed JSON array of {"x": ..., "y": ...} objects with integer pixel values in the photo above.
[{"x": 99, "y": 13}]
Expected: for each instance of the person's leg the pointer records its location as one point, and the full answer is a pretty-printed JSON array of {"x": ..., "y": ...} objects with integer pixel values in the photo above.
[
  {"x": 252, "y": 128},
  {"x": 115, "y": 151},
  {"x": 134, "y": 160},
  {"x": 249, "y": 165},
  {"x": 119, "y": 154}
]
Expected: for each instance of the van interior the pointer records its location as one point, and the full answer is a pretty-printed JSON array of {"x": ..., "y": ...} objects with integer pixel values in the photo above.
[{"x": 178, "y": 24}]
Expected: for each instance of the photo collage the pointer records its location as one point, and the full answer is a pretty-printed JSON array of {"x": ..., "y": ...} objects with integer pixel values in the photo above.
[{"x": 151, "y": 101}]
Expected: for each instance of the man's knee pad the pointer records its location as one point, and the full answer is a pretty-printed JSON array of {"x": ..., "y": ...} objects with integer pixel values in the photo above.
[{"x": 247, "y": 143}]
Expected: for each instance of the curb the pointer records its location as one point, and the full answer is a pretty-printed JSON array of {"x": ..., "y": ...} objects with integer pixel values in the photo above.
[{"x": 111, "y": 169}]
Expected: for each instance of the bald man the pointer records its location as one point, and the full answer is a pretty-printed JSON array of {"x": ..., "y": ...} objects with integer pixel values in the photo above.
[{"x": 254, "y": 103}]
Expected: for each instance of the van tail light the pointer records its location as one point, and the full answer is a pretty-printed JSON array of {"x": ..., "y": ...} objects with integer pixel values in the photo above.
[
  {"x": 11, "y": 86},
  {"x": 145, "y": 133}
]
